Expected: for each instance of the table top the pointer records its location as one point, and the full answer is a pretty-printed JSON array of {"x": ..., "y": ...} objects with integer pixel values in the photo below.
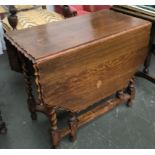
[{"x": 41, "y": 42}]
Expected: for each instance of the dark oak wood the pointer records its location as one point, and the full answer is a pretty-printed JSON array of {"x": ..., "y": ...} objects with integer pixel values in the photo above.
[
  {"x": 91, "y": 60},
  {"x": 93, "y": 28},
  {"x": 13, "y": 56},
  {"x": 12, "y": 18},
  {"x": 78, "y": 87},
  {"x": 54, "y": 128},
  {"x": 103, "y": 108},
  {"x": 28, "y": 80},
  {"x": 17, "y": 62},
  {"x": 133, "y": 12},
  {"x": 14, "y": 60}
]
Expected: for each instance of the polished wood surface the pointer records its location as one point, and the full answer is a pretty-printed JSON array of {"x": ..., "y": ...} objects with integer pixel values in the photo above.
[
  {"x": 132, "y": 11},
  {"x": 78, "y": 78},
  {"x": 94, "y": 57},
  {"x": 57, "y": 37}
]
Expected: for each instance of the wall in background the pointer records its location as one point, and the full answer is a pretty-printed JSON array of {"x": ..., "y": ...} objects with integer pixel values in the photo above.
[{"x": 50, "y": 7}]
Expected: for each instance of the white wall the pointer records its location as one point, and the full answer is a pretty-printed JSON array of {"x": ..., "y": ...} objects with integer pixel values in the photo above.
[{"x": 50, "y": 7}]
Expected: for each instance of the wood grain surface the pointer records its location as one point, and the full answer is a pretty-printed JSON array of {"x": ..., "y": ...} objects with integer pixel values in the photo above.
[
  {"x": 50, "y": 39},
  {"x": 84, "y": 59},
  {"x": 78, "y": 78}
]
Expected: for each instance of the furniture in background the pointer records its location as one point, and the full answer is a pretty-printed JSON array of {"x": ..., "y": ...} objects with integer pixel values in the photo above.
[
  {"x": 3, "y": 11},
  {"x": 73, "y": 73},
  {"x": 147, "y": 13},
  {"x": 2, "y": 43},
  {"x": 76, "y": 10},
  {"x": 2, "y": 125},
  {"x": 70, "y": 10},
  {"x": 29, "y": 17},
  {"x": 23, "y": 19}
]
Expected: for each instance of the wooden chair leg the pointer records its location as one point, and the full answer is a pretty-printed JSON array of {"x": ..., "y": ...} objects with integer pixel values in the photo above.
[
  {"x": 31, "y": 101},
  {"x": 73, "y": 125},
  {"x": 3, "y": 128},
  {"x": 12, "y": 18},
  {"x": 55, "y": 135},
  {"x": 131, "y": 91}
]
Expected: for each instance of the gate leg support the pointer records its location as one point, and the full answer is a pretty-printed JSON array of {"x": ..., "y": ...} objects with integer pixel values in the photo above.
[
  {"x": 73, "y": 125},
  {"x": 30, "y": 101}
]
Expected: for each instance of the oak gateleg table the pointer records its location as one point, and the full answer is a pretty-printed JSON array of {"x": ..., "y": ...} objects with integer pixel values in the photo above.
[{"x": 78, "y": 62}]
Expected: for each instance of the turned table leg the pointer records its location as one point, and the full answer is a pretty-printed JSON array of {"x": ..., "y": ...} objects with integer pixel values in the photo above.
[
  {"x": 131, "y": 91},
  {"x": 151, "y": 48},
  {"x": 147, "y": 63},
  {"x": 145, "y": 73},
  {"x": 31, "y": 101},
  {"x": 55, "y": 135},
  {"x": 2, "y": 126},
  {"x": 119, "y": 94},
  {"x": 73, "y": 125}
]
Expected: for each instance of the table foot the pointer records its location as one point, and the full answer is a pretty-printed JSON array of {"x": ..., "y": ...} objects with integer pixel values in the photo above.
[
  {"x": 34, "y": 116},
  {"x": 32, "y": 108},
  {"x": 3, "y": 128},
  {"x": 28, "y": 82},
  {"x": 131, "y": 92},
  {"x": 55, "y": 135}
]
